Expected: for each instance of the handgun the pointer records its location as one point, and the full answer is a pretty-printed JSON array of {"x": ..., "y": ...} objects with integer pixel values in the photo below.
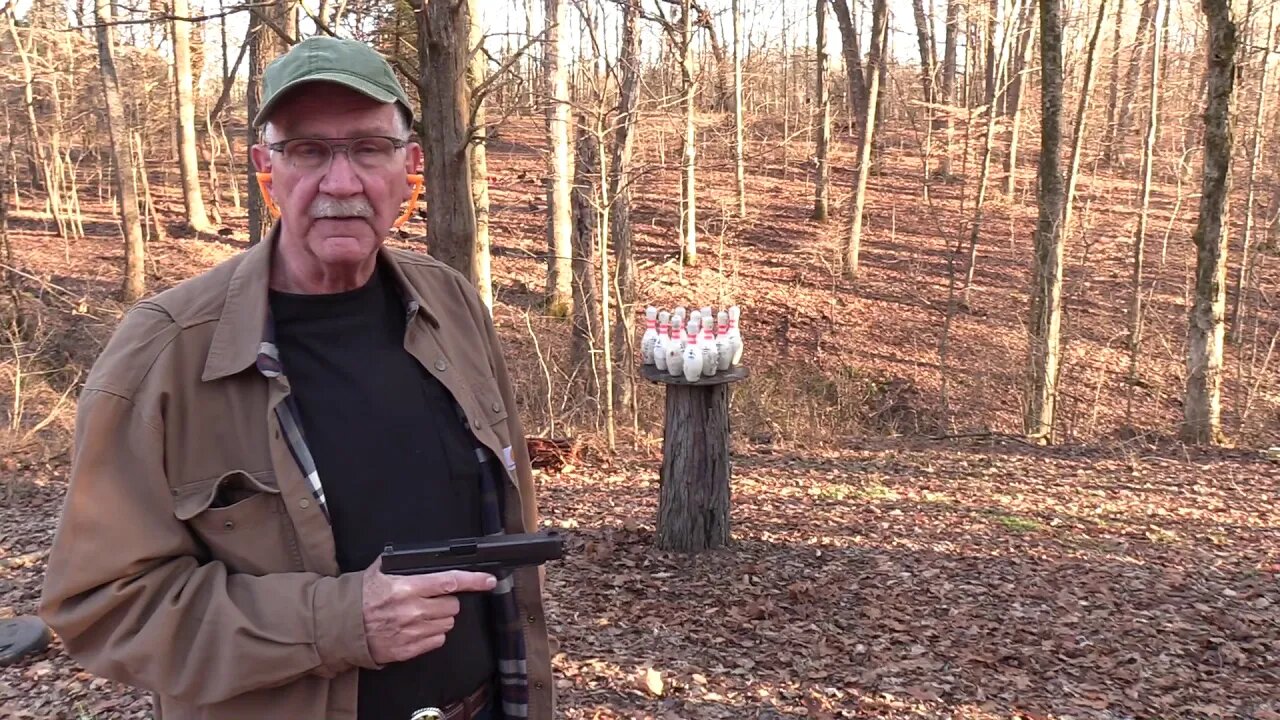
[{"x": 477, "y": 554}]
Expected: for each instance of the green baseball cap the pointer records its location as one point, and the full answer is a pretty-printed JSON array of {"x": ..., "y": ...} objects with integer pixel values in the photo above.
[{"x": 348, "y": 63}]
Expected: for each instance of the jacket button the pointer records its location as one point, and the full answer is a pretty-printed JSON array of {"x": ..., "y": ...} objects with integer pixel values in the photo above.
[
  {"x": 304, "y": 503},
  {"x": 537, "y": 685},
  {"x": 532, "y": 619},
  {"x": 441, "y": 365},
  {"x": 475, "y": 424},
  {"x": 497, "y": 407},
  {"x": 231, "y": 524}
]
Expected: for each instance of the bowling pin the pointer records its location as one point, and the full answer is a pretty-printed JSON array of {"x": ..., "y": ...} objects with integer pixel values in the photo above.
[
  {"x": 707, "y": 344},
  {"x": 650, "y": 335},
  {"x": 735, "y": 336},
  {"x": 692, "y": 355},
  {"x": 724, "y": 346},
  {"x": 664, "y": 337},
  {"x": 675, "y": 351}
]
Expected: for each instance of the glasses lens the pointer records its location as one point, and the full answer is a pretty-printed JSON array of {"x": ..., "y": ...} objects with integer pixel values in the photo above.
[
  {"x": 306, "y": 154},
  {"x": 372, "y": 152}
]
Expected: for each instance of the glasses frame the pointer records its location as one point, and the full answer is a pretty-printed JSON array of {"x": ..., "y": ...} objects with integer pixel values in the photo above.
[{"x": 335, "y": 143}]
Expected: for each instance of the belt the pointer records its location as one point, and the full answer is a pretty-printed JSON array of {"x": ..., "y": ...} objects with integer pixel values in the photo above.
[{"x": 464, "y": 709}]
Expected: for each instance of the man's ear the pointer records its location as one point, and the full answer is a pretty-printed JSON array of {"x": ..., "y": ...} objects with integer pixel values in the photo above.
[
  {"x": 413, "y": 159},
  {"x": 261, "y": 156}
]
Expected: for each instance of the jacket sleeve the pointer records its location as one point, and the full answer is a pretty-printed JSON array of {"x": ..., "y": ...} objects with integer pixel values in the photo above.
[
  {"x": 515, "y": 428},
  {"x": 125, "y": 592}
]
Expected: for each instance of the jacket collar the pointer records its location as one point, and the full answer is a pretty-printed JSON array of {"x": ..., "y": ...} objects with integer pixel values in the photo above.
[{"x": 243, "y": 326}]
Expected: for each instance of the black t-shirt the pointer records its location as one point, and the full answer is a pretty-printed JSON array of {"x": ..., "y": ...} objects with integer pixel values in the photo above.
[{"x": 396, "y": 463}]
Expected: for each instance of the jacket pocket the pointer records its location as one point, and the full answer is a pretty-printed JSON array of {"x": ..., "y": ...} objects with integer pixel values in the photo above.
[{"x": 241, "y": 519}]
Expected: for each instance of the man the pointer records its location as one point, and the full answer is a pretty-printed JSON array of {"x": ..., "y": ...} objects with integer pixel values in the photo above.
[{"x": 250, "y": 439}]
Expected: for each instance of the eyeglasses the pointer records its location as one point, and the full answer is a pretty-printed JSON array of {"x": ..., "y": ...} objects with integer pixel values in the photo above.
[{"x": 376, "y": 152}]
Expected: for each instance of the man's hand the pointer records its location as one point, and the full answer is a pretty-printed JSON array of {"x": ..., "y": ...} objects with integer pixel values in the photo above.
[{"x": 406, "y": 616}]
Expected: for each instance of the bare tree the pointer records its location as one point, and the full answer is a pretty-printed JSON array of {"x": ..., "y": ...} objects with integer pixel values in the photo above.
[
  {"x": 188, "y": 162},
  {"x": 444, "y": 32},
  {"x": 1016, "y": 93},
  {"x": 1144, "y": 206},
  {"x": 999, "y": 60},
  {"x": 1124, "y": 114},
  {"x": 261, "y": 48},
  {"x": 482, "y": 273},
  {"x": 951, "y": 38},
  {"x": 1046, "y": 293},
  {"x": 822, "y": 178},
  {"x": 620, "y": 179},
  {"x": 555, "y": 60},
  {"x": 135, "y": 279},
  {"x": 879, "y": 31},
  {"x": 1244, "y": 277},
  {"x": 852, "y": 63},
  {"x": 1082, "y": 107},
  {"x": 739, "y": 169},
  {"x": 586, "y": 336},
  {"x": 1202, "y": 406},
  {"x": 688, "y": 184}
]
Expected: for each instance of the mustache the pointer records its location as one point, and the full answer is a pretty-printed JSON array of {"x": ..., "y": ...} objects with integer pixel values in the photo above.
[{"x": 331, "y": 207}]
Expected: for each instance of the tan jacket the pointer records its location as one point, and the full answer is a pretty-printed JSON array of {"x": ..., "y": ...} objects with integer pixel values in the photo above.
[{"x": 241, "y": 612}]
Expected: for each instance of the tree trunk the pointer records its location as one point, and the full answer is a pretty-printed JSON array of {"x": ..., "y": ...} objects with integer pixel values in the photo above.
[
  {"x": 260, "y": 52},
  {"x": 693, "y": 499},
  {"x": 586, "y": 337},
  {"x": 620, "y": 206},
  {"x": 999, "y": 62},
  {"x": 1245, "y": 276},
  {"x": 879, "y": 28},
  {"x": 1124, "y": 117},
  {"x": 740, "y": 174},
  {"x": 928, "y": 57},
  {"x": 1016, "y": 92},
  {"x": 1113, "y": 101},
  {"x": 482, "y": 271},
  {"x": 1136, "y": 314},
  {"x": 852, "y": 64},
  {"x": 135, "y": 280},
  {"x": 1046, "y": 297},
  {"x": 1082, "y": 106},
  {"x": 688, "y": 186},
  {"x": 822, "y": 177},
  {"x": 1202, "y": 407},
  {"x": 950, "y": 41},
  {"x": 188, "y": 160},
  {"x": 555, "y": 61},
  {"x": 444, "y": 30}
]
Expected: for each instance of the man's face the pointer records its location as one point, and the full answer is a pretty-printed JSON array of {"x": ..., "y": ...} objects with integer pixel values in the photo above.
[{"x": 339, "y": 212}]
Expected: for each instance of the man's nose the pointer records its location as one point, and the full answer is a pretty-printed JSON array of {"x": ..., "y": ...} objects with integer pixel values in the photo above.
[{"x": 340, "y": 179}]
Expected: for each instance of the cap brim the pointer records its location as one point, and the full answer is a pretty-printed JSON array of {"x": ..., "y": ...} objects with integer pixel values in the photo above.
[{"x": 358, "y": 84}]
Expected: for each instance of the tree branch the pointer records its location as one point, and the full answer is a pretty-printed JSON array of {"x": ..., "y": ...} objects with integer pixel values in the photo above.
[{"x": 169, "y": 17}]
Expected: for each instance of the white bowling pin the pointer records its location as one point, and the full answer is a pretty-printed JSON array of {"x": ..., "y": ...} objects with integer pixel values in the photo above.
[
  {"x": 675, "y": 351},
  {"x": 650, "y": 335},
  {"x": 696, "y": 317},
  {"x": 724, "y": 346},
  {"x": 692, "y": 356},
  {"x": 664, "y": 337},
  {"x": 735, "y": 335},
  {"x": 707, "y": 344}
]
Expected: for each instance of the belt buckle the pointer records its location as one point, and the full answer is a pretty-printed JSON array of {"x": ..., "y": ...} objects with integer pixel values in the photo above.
[{"x": 428, "y": 713}]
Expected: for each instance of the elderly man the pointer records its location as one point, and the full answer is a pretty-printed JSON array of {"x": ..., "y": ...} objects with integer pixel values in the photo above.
[{"x": 250, "y": 440}]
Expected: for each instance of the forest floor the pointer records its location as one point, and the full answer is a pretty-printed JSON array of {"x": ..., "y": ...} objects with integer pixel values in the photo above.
[{"x": 893, "y": 556}]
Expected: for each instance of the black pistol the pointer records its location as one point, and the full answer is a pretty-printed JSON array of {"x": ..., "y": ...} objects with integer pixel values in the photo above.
[{"x": 478, "y": 554}]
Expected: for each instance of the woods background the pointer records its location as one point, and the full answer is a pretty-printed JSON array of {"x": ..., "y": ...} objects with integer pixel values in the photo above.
[
  {"x": 889, "y": 286},
  {"x": 1008, "y": 272}
]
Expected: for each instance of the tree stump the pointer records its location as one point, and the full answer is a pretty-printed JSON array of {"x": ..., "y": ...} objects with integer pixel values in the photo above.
[{"x": 693, "y": 503}]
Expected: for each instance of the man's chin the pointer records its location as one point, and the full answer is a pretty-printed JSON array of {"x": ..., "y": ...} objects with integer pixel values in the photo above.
[{"x": 345, "y": 249}]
